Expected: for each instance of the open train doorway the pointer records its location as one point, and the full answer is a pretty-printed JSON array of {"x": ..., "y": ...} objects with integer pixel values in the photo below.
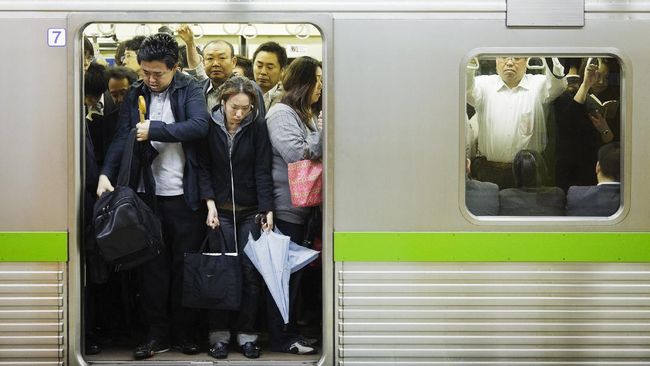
[{"x": 119, "y": 322}]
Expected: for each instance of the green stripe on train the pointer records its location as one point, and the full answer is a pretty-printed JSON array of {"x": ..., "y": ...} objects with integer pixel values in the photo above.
[
  {"x": 491, "y": 247},
  {"x": 33, "y": 246}
]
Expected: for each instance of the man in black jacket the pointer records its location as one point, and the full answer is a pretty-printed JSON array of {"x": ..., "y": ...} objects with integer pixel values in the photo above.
[
  {"x": 176, "y": 117},
  {"x": 603, "y": 199}
]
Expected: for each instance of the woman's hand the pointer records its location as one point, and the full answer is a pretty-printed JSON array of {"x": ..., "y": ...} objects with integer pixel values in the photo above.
[
  {"x": 600, "y": 123},
  {"x": 591, "y": 76},
  {"x": 213, "y": 218},
  {"x": 268, "y": 225}
]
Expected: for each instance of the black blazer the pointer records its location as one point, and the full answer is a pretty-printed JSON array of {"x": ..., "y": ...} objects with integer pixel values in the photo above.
[
  {"x": 601, "y": 200},
  {"x": 251, "y": 163},
  {"x": 190, "y": 112},
  {"x": 535, "y": 201}
]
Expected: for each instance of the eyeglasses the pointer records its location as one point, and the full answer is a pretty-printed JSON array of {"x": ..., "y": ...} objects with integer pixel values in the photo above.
[{"x": 128, "y": 54}]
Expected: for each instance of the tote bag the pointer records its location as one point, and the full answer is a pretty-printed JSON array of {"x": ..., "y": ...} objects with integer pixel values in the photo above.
[
  {"x": 306, "y": 183},
  {"x": 212, "y": 280}
]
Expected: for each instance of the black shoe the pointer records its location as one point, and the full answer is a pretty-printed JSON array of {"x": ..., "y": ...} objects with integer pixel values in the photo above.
[
  {"x": 92, "y": 349},
  {"x": 150, "y": 348},
  {"x": 250, "y": 350},
  {"x": 219, "y": 350},
  {"x": 187, "y": 346}
]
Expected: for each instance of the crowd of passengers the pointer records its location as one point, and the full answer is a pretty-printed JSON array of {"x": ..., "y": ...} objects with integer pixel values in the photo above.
[
  {"x": 544, "y": 144},
  {"x": 220, "y": 134}
]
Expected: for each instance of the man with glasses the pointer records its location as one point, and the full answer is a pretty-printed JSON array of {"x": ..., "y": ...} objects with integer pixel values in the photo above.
[
  {"x": 511, "y": 111},
  {"x": 176, "y": 118},
  {"x": 130, "y": 56}
]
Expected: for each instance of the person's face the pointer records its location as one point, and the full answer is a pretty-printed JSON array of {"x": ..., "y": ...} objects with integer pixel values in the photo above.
[
  {"x": 315, "y": 95},
  {"x": 118, "y": 89},
  {"x": 88, "y": 59},
  {"x": 238, "y": 71},
  {"x": 266, "y": 70},
  {"x": 218, "y": 62},
  {"x": 238, "y": 107},
  {"x": 156, "y": 75},
  {"x": 602, "y": 82},
  {"x": 511, "y": 69},
  {"x": 91, "y": 101},
  {"x": 130, "y": 60}
]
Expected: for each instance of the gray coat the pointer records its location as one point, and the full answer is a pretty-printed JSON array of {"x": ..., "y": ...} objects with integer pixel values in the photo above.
[{"x": 291, "y": 141}]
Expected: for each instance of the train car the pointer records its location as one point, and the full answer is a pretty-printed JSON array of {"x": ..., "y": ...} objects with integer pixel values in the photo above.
[{"x": 409, "y": 275}]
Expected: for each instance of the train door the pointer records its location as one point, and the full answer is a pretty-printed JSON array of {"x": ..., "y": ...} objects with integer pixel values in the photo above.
[{"x": 108, "y": 319}]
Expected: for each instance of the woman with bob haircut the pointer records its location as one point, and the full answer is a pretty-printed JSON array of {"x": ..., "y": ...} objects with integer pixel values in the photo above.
[
  {"x": 295, "y": 135},
  {"x": 530, "y": 197},
  {"x": 236, "y": 183}
]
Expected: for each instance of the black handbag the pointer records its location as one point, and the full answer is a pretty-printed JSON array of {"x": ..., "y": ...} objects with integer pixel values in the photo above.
[
  {"x": 212, "y": 280},
  {"x": 128, "y": 232}
]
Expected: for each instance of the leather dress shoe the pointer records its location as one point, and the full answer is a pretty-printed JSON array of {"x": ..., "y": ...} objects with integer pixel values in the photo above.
[
  {"x": 250, "y": 350},
  {"x": 219, "y": 350},
  {"x": 150, "y": 348},
  {"x": 188, "y": 347}
]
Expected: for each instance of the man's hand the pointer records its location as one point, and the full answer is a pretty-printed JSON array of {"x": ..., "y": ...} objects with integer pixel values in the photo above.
[
  {"x": 186, "y": 34},
  {"x": 142, "y": 132},
  {"x": 104, "y": 185}
]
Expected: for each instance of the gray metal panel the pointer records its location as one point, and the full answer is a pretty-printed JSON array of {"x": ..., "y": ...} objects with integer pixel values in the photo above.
[
  {"x": 423, "y": 313},
  {"x": 32, "y": 310},
  {"x": 399, "y": 97},
  {"x": 34, "y": 166},
  {"x": 548, "y": 13}
]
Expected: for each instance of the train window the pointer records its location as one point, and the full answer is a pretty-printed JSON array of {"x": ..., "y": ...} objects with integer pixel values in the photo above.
[
  {"x": 138, "y": 312},
  {"x": 543, "y": 135}
]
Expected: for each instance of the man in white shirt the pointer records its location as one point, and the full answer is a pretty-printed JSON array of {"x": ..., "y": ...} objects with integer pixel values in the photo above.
[{"x": 511, "y": 109}]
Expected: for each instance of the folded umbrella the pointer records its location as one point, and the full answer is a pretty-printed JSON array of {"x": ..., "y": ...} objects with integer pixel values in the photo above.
[{"x": 276, "y": 257}]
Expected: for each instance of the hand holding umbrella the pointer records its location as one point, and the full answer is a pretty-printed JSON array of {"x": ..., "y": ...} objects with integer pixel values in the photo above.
[{"x": 142, "y": 133}]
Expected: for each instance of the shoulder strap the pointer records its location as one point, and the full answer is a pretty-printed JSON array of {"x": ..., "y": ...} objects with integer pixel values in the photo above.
[{"x": 124, "y": 175}]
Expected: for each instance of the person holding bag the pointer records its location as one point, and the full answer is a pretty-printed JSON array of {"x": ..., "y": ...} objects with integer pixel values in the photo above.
[
  {"x": 175, "y": 119},
  {"x": 295, "y": 135},
  {"x": 236, "y": 183}
]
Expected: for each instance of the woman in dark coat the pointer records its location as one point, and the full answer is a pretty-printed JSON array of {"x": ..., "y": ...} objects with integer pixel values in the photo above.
[
  {"x": 235, "y": 180},
  {"x": 583, "y": 126}
]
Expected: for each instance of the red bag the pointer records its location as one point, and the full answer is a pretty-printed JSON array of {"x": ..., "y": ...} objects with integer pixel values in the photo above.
[{"x": 306, "y": 183}]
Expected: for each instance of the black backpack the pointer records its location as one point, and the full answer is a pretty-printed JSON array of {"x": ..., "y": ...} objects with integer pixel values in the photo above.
[{"x": 128, "y": 231}]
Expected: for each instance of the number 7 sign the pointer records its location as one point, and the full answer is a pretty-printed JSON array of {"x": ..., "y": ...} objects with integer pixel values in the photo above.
[{"x": 56, "y": 37}]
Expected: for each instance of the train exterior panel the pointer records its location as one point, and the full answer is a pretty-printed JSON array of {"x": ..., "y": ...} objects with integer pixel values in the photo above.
[{"x": 410, "y": 277}]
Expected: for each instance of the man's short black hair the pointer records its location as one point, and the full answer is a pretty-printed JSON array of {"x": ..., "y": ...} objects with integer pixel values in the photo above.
[
  {"x": 159, "y": 47},
  {"x": 273, "y": 47},
  {"x": 134, "y": 43},
  {"x": 95, "y": 82},
  {"x": 609, "y": 159},
  {"x": 121, "y": 72}
]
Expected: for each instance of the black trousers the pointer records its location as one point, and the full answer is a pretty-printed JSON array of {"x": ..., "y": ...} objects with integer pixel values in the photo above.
[
  {"x": 242, "y": 321},
  {"x": 161, "y": 284},
  {"x": 279, "y": 333}
]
